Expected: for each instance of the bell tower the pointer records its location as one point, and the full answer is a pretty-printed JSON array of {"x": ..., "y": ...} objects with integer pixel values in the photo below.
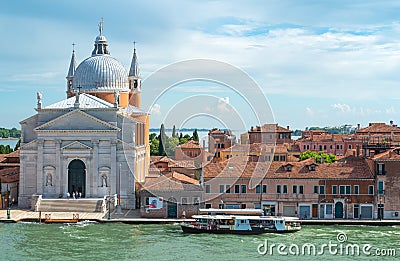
[
  {"x": 71, "y": 73},
  {"x": 135, "y": 81}
]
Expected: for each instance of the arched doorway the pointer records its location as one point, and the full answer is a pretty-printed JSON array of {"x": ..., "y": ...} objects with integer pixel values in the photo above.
[
  {"x": 172, "y": 208},
  {"x": 77, "y": 177},
  {"x": 338, "y": 210}
]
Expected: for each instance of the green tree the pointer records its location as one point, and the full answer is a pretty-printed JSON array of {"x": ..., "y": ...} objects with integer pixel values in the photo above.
[
  {"x": 162, "y": 139},
  {"x": 171, "y": 145},
  {"x": 153, "y": 140},
  {"x": 328, "y": 158},
  {"x": 17, "y": 145},
  {"x": 174, "y": 133},
  {"x": 184, "y": 139},
  {"x": 195, "y": 135},
  {"x": 5, "y": 149}
]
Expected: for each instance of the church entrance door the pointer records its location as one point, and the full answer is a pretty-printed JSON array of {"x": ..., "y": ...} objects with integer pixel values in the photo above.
[{"x": 77, "y": 177}]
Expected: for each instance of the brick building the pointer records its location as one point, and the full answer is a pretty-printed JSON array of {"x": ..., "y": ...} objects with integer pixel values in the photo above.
[
  {"x": 267, "y": 134},
  {"x": 336, "y": 144},
  {"x": 179, "y": 193},
  {"x": 9, "y": 177},
  {"x": 304, "y": 189},
  {"x": 219, "y": 140},
  {"x": 386, "y": 167},
  {"x": 378, "y": 137}
]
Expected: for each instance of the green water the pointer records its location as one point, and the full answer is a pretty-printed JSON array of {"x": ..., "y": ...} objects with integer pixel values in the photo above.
[{"x": 91, "y": 241}]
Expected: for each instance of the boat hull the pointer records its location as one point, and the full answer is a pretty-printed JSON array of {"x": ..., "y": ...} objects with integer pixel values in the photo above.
[{"x": 254, "y": 231}]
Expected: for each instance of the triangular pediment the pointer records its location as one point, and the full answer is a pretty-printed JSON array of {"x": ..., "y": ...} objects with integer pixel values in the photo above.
[
  {"x": 76, "y": 145},
  {"x": 30, "y": 145},
  {"x": 76, "y": 120}
]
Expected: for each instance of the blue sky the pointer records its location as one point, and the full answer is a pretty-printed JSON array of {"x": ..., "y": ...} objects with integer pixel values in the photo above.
[{"x": 318, "y": 63}]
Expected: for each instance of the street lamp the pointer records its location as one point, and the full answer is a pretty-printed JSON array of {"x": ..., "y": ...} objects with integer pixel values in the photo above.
[{"x": 8, "y": 204}]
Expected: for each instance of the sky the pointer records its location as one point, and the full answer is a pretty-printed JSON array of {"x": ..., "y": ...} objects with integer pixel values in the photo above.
[{"x": 304, "y": 63}]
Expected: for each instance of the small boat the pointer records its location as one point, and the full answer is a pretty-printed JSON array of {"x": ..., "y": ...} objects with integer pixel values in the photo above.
[
  {"x": 61, "y": 221},
  {"x": 243, "y": 221}
]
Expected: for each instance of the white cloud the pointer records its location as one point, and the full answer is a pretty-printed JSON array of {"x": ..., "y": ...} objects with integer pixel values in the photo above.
[
  {"x": 342, "y": 107},
  {"x": 390, "y": 110},
  {"x": 156, "y": 109},
  {"x": 223, "y": 104}
]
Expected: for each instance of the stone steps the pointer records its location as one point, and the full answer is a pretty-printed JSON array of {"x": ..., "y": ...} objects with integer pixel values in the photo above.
[{"x": 70, "y": 205}]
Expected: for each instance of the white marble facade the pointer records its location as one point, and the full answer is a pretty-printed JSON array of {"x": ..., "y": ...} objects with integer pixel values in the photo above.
[
  {"x": 86, "y": 143},
  {"x": 55, "y": 137}
]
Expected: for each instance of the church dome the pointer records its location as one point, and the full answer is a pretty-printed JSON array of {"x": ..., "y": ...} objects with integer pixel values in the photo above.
[{"x": 101, "y": 73}]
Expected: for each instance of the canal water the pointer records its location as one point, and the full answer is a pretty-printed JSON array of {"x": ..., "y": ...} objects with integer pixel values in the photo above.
[{"x": 92, "y": 241}]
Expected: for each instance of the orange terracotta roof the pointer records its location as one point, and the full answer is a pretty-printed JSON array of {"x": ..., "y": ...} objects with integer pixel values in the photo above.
[
  {"x": 393, "y": 154},
  {"x": 217, "y": 131},
  {"x": 292, "y": 158},
  {"x": 270, "y": 127},
  {"x": 13, "y": 154},
  {"x": 238, "y": 167},
  {"x": 9, "y": 175},
  {"x": 182, "y": 177},
  {"x": 379, "y": 127},
  {"x": 165, "y": 183},
  {"x": 182, "y": 164},
  {"x": 155, "y": 158},
  {"x": 191, "y": 144}
]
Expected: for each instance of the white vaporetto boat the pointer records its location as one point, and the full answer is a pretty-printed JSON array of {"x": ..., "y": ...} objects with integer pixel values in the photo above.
[{"x": 239, "y": 221}]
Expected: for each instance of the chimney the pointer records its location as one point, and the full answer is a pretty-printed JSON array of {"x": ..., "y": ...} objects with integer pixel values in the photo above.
[
  {"x": 391, "y": 123},
  {"x": 358, "y": 126},
  {"x": 287, "y": 127},
  {"x": 322, "y": 160},
  {"x": 372, "y": 153},
  {"x": 358, "y": 150}
]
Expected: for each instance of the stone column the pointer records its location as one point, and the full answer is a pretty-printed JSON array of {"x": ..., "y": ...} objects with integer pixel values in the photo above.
[
  {"x": 39, "y": 167},
  {"x": 64, "y": 172},
  {"x": 94, "y": 183},
  {"x": 58, "y": 174}
]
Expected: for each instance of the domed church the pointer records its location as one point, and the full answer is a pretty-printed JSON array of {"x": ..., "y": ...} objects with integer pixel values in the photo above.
[{"x": 92, "y": 144}]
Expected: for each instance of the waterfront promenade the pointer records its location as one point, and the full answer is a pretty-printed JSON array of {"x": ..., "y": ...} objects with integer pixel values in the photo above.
[
  {"x": 132, "y": 217},
  {"x": 127, "y": 216}
]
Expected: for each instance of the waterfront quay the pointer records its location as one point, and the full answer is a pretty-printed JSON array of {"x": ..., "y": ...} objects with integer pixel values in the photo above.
[{"x": 132, "y": 217}]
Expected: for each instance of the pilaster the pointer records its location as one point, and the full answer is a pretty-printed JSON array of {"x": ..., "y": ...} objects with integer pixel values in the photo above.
[
  {"x": 58, "y": 166},
  {"x": 39, "y": 166},
  {"x": 113, "y": 174},
  {"x": 95, "y": 173}
]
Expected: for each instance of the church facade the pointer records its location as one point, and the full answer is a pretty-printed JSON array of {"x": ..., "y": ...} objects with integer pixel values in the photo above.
[{"x": 93, "y": 143}]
